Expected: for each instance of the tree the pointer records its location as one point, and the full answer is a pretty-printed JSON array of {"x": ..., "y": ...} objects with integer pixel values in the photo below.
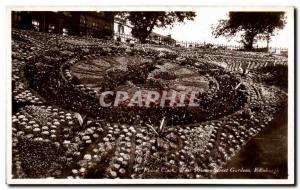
[
  {"x": 251, "y": 25},
  {"x": 144, "y": 22}
]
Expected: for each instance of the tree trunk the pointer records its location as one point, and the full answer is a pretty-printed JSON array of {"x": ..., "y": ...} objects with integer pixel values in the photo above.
[
  {"x": 249, "y": 40},
  {"x": 268, "y": 41},
  {"x": 143, "y": 38},
  {"x": 249, "y": 46}
]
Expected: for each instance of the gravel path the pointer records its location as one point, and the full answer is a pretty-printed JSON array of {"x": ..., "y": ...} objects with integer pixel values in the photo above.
[{"x": 267, "y": 150}]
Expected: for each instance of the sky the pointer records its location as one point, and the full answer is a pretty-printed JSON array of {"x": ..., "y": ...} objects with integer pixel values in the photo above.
[{"x": 200, "y": 29}]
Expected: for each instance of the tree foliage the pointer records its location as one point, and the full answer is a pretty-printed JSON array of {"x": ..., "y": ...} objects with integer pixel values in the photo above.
[
  {"x": 144, "y": 22},
  {"x": 252, "y": 26}
]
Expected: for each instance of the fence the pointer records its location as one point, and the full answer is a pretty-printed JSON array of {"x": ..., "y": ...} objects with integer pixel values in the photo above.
[
  {"x": 124, "y": 38},
  {"x": 189, "y": 44},
  {"x": 152, "y": 40}
]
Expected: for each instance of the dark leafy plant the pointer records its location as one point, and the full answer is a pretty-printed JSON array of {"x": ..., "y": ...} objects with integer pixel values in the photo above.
[
  {"x": 251, "y": 25},
  {"x": 144, "y": 22}
]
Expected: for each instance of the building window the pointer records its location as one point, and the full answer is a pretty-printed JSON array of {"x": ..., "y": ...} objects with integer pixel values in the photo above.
[
  {"x": 51, "y": 28},
  {"x": 16, "y": 17},
  {"x": 82, "y": 19},
  {"x": 36, "y": 25},
  {"x": 94, "y": 25},
  {"x": 120, "y": 29},
  {"x": 65, "y": 31}
]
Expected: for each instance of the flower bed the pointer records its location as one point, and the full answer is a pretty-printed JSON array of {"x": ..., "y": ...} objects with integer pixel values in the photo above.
[{"x": 86, "y": 140}]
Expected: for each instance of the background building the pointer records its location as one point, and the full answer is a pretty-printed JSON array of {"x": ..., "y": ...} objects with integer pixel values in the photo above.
[
  {"x": 91, "y": 23},
  {"x": 82, "y": 23},
  {"x": 122, "y": 30},
  {"x": 161, "y": 39}
]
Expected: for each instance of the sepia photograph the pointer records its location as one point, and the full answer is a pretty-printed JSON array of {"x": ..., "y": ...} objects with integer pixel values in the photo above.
[{"x": 143, "y": 95}]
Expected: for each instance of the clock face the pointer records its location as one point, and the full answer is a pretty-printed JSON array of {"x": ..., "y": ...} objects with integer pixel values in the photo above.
[
  {"x": 199, "y": 83},
  {"x": 132, "y": 73}
]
